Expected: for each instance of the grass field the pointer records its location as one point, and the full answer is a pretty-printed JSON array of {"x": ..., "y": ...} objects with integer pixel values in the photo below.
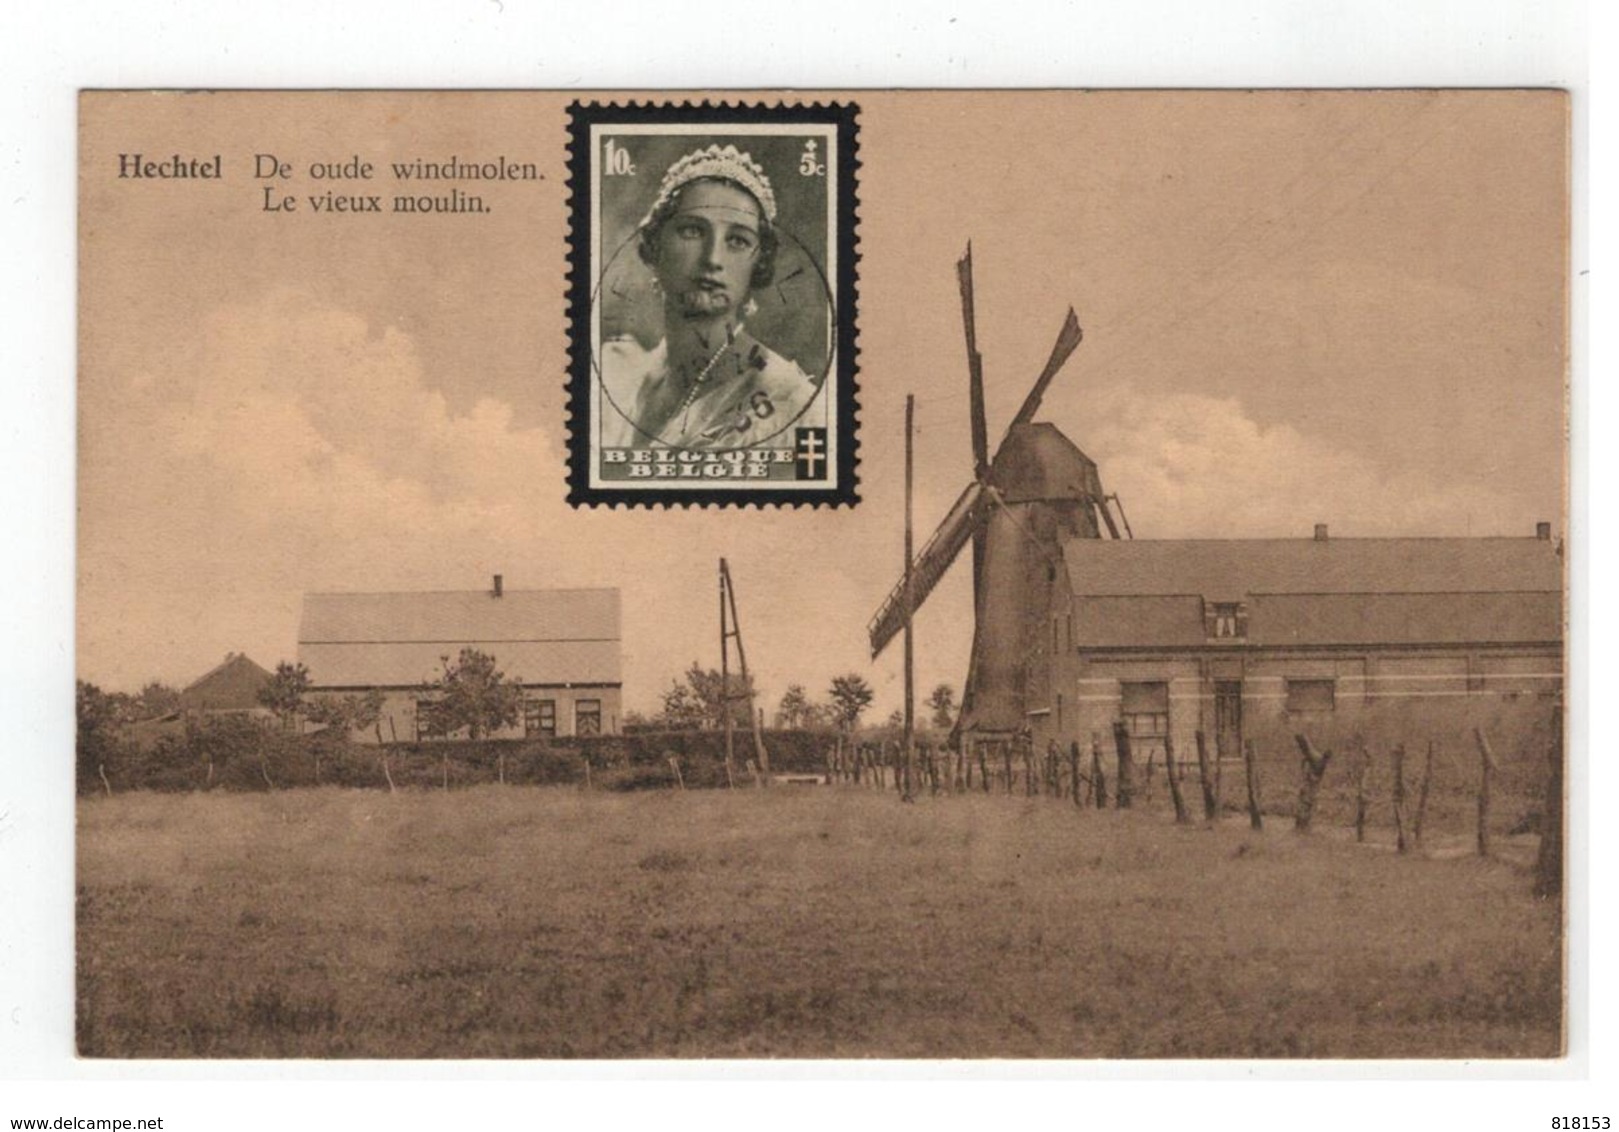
[{"x": 798, "y": 922}]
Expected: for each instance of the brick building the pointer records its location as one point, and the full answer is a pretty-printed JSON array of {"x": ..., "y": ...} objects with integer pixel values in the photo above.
[{"x": 1380, "y": 639}]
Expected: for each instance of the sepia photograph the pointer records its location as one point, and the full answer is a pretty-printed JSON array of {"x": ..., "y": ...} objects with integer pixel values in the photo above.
[{"x": 1164, "y": 655}]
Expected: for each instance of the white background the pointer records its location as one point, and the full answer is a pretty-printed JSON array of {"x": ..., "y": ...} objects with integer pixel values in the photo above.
[{"x": 50, "y": 52}]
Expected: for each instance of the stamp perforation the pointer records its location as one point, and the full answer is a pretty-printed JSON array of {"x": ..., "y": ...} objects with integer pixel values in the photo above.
[{"x": 842, "y": 222}]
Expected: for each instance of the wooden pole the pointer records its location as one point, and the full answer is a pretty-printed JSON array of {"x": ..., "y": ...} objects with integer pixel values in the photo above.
[
  {"x": 1361, "y": 798},
  {"x": 728, "y": 595},
  {"x": 1181, "y": 816},
  {"x": 1098, "y": 778},
  {"x": 1549, "y": 860},
  {"x": 1398, "y": 769},
  {"x": 910, "y": 600},
  {"x": 674, "y": 765},
  {"x": 1073, "y": 768},
  {"x": 725, "y": 675},
  {"x": 101, "y": 769},
  {"x": 1314, "y": 766},
  {"x": 1211, "y": 799},
  {"x": 1487, "y": 766},
  {"x": 386, "y": 771},
  {"x": 444, "y": 767},
  {"x": 1422, "y": 794},
  {"x": 1126, "y": 784},
  {"x": 1250, "y": 762},
  {"x": 587, "y": 772}
]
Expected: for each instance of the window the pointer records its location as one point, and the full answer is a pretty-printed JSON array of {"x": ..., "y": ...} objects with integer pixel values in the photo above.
[
  {"x": 1310, "y": 695},
  {"x": 424, "y": 721},
  {"x": 587, "y": 717},
  {"x": 1226, "y": 620},
  {"x": 540, "y": 718},
  {"x": 1145, "y": 707}
]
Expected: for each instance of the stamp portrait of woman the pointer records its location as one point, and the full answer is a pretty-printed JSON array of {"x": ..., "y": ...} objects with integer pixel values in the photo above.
[{"x": 711, "y": 243}]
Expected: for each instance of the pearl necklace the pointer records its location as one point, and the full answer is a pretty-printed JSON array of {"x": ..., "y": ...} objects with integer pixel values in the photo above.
[{"x": 697, "y": 383}]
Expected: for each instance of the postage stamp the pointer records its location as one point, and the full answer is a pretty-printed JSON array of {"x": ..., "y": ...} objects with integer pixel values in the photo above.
[{"x": 712, "y": 279}]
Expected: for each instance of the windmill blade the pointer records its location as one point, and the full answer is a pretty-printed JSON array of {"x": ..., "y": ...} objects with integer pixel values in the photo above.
[
  {"x": 959, "y": 524},
  {"x": 975, "y": 367},
  {"x": 1068, "y": 340}
]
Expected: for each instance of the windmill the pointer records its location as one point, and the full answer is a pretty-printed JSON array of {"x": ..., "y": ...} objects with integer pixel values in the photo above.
[{"x": 1036, "y": 491}]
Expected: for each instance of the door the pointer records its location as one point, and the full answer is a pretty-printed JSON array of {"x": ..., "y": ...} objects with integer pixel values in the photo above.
[{"x": 1228, "y": 718}]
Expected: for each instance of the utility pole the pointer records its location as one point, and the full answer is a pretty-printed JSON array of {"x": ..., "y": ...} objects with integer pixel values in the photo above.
[
  {"x": 731, "y": 628},
  {"x": 725, "y": 679},
  {"x": 910, "y": 658}
]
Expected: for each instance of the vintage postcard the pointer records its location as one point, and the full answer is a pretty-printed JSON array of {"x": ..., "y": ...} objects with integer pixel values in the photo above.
[{"x": 880, "y": 574}]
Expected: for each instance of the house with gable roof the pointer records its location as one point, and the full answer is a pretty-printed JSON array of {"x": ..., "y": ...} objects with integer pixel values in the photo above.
[
  {"x": 564, "y": 646},
  {"x": 1380, "y": 640}
]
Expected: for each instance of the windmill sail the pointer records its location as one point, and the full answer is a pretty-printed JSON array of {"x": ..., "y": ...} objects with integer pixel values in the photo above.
[{"x": 935, "y": 558}]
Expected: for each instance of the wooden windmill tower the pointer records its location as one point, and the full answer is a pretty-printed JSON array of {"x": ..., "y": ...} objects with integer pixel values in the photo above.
[{"x": 1021, "y": 504}]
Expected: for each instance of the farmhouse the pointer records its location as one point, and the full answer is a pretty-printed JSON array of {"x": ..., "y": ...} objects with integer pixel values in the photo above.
[
  {"x": 562, "y": 646},
  {"x": 1387, "y": 639},
  {"x": 231, "y": 687}
]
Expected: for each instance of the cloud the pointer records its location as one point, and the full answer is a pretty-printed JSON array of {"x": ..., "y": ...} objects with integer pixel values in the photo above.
[
  {"x": 1194, "y": 466},
  {"x": 292, "y": 447}
]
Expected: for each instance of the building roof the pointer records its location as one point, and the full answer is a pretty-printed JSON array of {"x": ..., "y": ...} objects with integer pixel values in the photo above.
[
  {"x": 1151, "y": 593},
  {"x": 1232, "y": 569},
  {"x": 383, "y": 640},
  {"x": 231, "y": 685}
]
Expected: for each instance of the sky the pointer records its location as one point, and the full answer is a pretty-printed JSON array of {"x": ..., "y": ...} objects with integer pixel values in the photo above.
[{"x": 1331, "y": 307}]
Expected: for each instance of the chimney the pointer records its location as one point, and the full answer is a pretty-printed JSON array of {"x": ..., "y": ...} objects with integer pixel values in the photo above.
[
  {"x": 1543, "y": 531},
  {"x": 1321, "y": 532},
  {"x": 499, "y": 585}
]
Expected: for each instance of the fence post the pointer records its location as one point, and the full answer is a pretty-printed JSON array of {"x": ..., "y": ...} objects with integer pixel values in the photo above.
[
  {"x": 386, "y": 771},
  {"x": 674, "y": 765},
  {"x": 1362, "y": 770},
  {"x": 1399, "y": 798},
  {"x": 1250, "y": 762},
  {"x": 1126, "y": 785},
  {"x": 1487, "y": 767},
  {"x": 1098, "y": 779},
  {"x": 1073, "y": 768},
  {"x": 1211, "y": 799},
  {"x": 1422, "y": 795},
  {"x": 1549, "y": 860},
  {"x": 586, "y": 759},
  {"x": 1314, "y": 766},
  {"x": 1181, "y": 816},
  {"x": 101, "y": 769}
]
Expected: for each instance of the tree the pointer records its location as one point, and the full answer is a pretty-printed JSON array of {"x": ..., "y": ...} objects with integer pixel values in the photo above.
[
  {"x": 943, "y": 703},
  {"x": 344, "y": 714},
  {"x": 156, "y": 700},
  {"x": 474, "y": 695},
  {"x": 896, "y": 718},
  {"x": 850, "y": 695},
  {"x": 99, "y": 715},
  {"x": 698, "y": 701},
  {"x": 795, "y": 708},
  {"x": 284, "y": 694}
]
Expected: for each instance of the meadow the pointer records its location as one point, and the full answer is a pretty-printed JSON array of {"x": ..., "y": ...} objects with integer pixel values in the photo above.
[{"x": 555, "y": 922}]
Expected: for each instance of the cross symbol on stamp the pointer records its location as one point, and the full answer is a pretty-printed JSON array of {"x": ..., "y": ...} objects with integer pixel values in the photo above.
[{"x": 809, "y": 452}]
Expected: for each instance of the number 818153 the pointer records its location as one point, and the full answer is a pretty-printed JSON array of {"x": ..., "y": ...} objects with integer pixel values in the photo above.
[{"x": 1580, "y": 1124}]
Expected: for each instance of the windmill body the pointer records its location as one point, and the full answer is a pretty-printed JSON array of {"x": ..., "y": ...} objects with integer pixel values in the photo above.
[
  {"x": 1036, "y": 492},
  {"x": 1045, "y": 488}
]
